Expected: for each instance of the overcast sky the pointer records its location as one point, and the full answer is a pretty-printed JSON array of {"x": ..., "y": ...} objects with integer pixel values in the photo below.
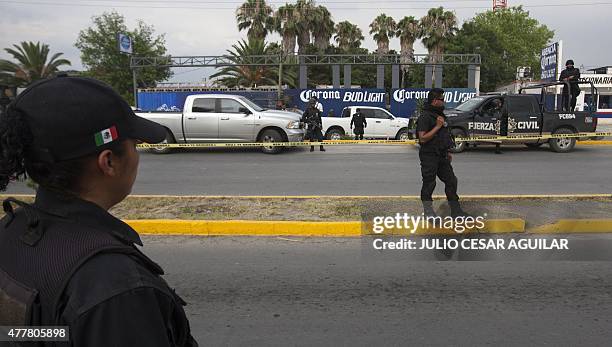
[{"x": 208, "y": 27}]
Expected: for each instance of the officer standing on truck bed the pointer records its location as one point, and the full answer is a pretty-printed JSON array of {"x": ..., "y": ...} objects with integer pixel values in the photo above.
[
  {"x": 314, "y": 124},
  {"x": 359, "y": 120},
  {"x": 571, "y": 75},
  {"x": 435, "y": 142},
  {"x": 65, "y": 260}
]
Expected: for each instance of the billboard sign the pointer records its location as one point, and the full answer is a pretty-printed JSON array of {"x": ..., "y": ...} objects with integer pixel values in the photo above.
[
  {"x": 550, "y": 61},
  {"x": 337, "y": 99},
  {"x": 404, "y": 101}
]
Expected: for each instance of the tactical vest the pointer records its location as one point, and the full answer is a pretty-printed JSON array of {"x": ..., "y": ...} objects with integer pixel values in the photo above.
[
  {"x": 443, "y": 139},
  {"x": 39, "y": 254}
]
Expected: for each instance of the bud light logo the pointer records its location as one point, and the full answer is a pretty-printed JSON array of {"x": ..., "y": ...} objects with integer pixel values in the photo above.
[
  {"x": 352, "y": 96},
  {"x": 125, "y": 44}
]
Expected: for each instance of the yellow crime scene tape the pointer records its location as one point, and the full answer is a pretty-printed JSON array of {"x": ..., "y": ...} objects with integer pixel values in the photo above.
[{"x": 373, "y": 142}]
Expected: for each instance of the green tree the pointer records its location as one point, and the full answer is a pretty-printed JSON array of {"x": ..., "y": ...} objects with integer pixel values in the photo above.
[
  {"x": 382, "y": 28},
  {"x": 348, "y": 36},
  {"x": 505, "y": 39},
  {"x": 408, "y": 32},
  {"x": 306, "y": 11},
  {"x": 323, "y": 28},
  {"x": 286, "y": 24},
  {"x": 257, "y": 17},
  {"x": 100, "y": 55},
  {"x": 33, "y": 63},
  {"x": 249, "y": 76},
  {"x": 438, "y": 27}
]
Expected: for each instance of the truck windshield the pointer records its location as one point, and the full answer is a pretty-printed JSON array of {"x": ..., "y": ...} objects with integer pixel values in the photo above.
[
  {"x": 469, "y": 105},
  {"x": 251, "y": 104}
]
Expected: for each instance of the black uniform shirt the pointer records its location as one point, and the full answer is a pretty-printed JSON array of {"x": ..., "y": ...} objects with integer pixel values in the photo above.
[
  {"x": 441, "y": 141},
  {"x": 359, "y": 121},
  {"x": 575, "y": 88},
  {"x": 115, "y": 299}
]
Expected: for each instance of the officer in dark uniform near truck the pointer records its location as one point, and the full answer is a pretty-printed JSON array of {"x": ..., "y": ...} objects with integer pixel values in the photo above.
[
  {"x": 435, "y": 142},
  {"x": 571, "y": 75},
  {"x": 65, "y": 260},
  {"x": 360, "y": 123},
  {"x": 314, "y": 124}
]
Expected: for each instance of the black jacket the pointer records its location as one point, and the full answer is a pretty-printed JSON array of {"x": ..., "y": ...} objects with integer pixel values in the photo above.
[
  {"x": 575, "y": 88},
  {"x": 89, "y": 275},
  {"x": 359, "y": 120},
  {"x": 442, "y": 140}
]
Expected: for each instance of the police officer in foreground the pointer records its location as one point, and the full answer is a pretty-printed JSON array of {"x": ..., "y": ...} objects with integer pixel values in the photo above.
[
  {"x": 65, "y": 260},
  {"x": 435, "y": 142},
  {"x": 314, "y": 124},
  {"x": 360, "y": 123},
  {"x": 571, "y": 75}
]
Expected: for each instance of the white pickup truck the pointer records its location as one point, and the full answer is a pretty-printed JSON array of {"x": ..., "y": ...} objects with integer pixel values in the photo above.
[
  {"x": 227, "y": 118},
  {"x": 381, "y": 124}
]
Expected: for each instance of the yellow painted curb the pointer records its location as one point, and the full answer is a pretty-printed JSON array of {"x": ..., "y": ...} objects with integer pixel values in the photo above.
[
  {"x": 290, "y": 228},
  {"x": 585, "y": 226},
  {"x": 595, "y": 143}
]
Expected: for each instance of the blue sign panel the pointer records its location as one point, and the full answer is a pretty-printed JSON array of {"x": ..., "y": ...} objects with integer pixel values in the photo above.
[
  {"x": 404, "y": 101},
  {"x": 174, "y": 101},
  {"x": 125, "y": 43},
  {"x": 336, "y": 99},
  {"x": 549, "y": 62}
]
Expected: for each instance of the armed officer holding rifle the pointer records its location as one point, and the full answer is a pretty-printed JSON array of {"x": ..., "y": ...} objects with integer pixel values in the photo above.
[{"x": 314, "y": 124}]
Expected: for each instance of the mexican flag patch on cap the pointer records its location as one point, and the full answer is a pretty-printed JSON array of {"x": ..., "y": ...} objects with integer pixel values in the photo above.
[{"x": 105, "y": 136}]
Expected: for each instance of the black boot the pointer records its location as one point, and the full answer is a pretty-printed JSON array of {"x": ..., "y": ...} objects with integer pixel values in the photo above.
[
  {"x": 322, "y": 149},
  {"x": 312, "y": 148},
  {"x": 456, "y": 210},
  {"x": 428, "y": 210}
]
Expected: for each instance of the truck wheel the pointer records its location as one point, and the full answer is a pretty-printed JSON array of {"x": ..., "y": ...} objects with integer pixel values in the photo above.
[
  {"x": 403, "y": 135},
  {"x": 271, "y": 135},
  {"x": 459, "y": 146},
  {"x": 562, "y": 145},
  {"x": 534, "y": 145},
  {"x": 334, "y": 134},
  {"x": 164, "y": 150}
]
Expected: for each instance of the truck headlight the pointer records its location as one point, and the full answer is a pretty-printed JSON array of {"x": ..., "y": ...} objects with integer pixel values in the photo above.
[{"x": 293, "y": 125}]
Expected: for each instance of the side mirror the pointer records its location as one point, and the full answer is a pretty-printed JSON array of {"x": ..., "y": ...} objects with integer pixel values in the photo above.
[{"x": 244, "y": 110}]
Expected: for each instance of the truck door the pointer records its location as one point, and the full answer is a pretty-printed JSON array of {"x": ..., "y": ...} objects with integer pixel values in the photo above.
[
  {"x": 486, "y": 121},
  {"x": 523, "y": 116},
  {"x": 201, "y": 122},
  {"x": 383, "y": 124},
  {"x": 236, "y": 121}
]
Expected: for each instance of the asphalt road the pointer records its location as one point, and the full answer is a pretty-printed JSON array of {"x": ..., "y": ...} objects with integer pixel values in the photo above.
[
  {"x": 331, "y": 292},
  {"x": 368, "y": 170}
]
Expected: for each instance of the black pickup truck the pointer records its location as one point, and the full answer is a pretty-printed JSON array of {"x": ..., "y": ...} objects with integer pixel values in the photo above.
[{"x": 527, "y": 115}]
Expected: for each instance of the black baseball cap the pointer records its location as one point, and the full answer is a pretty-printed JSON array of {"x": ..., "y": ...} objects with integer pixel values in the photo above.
[
  {"x": 569, "y": 62},
  {"x": 71, "y": 117},
  {"x": 434, "y": 94}
]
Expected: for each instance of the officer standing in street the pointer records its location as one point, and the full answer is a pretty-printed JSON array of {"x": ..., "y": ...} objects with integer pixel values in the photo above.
[
  {"x": 497, "y": 113},
  {"x": 314, "y": 124},
  {"x": 360, "y": 123},
  {"x": 435, "y": 142},
  {"x": 65, "y": 260},
  {"x": 571, "y": 75}
]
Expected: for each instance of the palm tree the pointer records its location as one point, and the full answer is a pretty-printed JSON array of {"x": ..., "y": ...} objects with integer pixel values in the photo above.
[
  {"x": 256, "y": 16},
  {"x": 383, "y": 28},
  {"x": 323, "y": 28},
  {"x": 248, "y": 75},
  {"x": 437, "y": 28},
  {"x": 306, "y": 12},
  {"x": 348, "y": 36},
  {"x": 286, "y": 24},
  {"x": 408, "y": 32},
  {"x": 32, "y": 64}
]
